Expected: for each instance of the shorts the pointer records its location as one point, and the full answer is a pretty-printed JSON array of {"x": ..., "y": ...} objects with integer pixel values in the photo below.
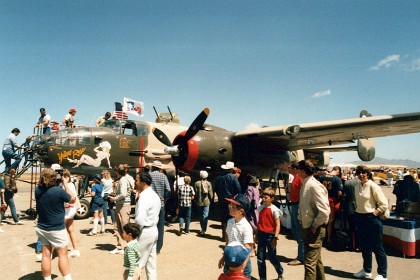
[
  {"x": 70, "y": 213},
  {"x": 334, "y": 204},
  {"x": 97, "y": 207},
  {"x": 56, "y": 238}
]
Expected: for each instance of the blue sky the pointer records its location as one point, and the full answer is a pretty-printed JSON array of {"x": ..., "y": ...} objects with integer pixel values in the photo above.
[{"x": 250, "y": 62}]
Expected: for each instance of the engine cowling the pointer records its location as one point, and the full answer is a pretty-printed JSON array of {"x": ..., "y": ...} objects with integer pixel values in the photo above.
[
  {"x": 212, "y": 147},
  {"x": 366, "y": 149}
]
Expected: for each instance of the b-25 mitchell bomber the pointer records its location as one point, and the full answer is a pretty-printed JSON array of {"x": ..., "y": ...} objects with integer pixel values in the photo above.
[{"x": 203, "y": 146}]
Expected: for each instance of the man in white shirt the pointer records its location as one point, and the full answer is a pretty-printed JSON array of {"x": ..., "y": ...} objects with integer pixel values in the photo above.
[{"x": 147, "y": 217}]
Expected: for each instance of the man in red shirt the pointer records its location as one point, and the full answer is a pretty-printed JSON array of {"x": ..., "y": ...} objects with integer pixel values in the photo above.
[{"x": 295, "y": 187}]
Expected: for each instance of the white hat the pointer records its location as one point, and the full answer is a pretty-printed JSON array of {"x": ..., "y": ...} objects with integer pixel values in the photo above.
[
  {"x": 55, "y": 166},
  {"x": 228, "y": 165},
  {"x": 159, "y": 165},
  {"x": 181, "y": 181},
  {"x": 204, "y": 174}
]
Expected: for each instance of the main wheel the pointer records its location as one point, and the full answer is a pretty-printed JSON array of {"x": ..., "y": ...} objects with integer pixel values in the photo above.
[{"x": 83, "y": 211}]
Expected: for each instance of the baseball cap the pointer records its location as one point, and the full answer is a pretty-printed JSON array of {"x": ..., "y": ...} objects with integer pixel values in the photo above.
[
  {"x": 235, "y": 254},
  {"x": 97, "y": 177},
  {"x": 240, "y": 200}
]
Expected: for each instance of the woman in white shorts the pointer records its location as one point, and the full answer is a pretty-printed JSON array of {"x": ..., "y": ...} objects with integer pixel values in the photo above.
[{"x": 70, "y": 212}]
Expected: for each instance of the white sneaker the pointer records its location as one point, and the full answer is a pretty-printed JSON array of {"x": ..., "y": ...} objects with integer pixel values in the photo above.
[
  {"x": 363, "y": 274},
  {"x": 380, "y": 277},
  {"x": 19, "y": 223},
  {"x": 117, "y": 251},
  {"x": 38, "y": 257},
  {"x": 74, "y": 253}
]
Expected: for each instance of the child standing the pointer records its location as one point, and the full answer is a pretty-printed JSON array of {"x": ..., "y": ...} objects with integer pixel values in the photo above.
[
  {"x": 238, "y": 229},
  {"x": 236, "y": 255},
  {"x": 97, "y": 205},
  {"x": 131, "y": 252},
  {"x": 185, "y": 196},
  {"x": 268, "y": 232}
]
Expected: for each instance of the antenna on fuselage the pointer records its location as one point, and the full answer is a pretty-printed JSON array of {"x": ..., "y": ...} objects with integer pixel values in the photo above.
[{"x": 169, "y": 109}]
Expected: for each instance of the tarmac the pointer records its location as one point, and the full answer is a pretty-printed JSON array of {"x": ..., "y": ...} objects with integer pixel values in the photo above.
[{"x": 182, "y": 257}]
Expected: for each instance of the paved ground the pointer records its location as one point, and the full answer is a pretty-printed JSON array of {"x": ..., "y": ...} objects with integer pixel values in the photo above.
[{"x": 185, "y": 257}]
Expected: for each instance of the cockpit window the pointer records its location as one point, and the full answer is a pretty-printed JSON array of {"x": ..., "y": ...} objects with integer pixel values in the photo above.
[
  {"x": 113, "y": 124},
  {"x": 130, "y": 129}
]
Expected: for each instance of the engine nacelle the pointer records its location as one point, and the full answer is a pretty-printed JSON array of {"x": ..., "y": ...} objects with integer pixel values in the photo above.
[
  {"x": 366, "y": 149},
  {"x": 209, "y": 148}
]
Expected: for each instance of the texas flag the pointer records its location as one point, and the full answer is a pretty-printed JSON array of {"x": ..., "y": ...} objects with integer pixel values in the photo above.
[{"x": 133, "y": 107}]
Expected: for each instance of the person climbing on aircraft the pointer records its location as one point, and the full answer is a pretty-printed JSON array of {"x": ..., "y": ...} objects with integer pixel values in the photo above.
[
  {"x": 9, "y": 147},
  {"x": 102, "y": 152},
  {"x": 68, "y": 119},
  {"x": 43, "y": 123},
  {"x": 102, "y": 119}
]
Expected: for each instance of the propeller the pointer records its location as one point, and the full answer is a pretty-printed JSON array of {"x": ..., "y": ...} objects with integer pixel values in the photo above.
[{"x": 179, "y": 149}]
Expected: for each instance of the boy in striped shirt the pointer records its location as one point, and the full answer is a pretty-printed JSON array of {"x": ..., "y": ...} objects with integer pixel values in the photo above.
[{"x": 131, "y": 252}]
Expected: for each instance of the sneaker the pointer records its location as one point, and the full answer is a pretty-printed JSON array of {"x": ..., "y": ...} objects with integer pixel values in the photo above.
[
  {"x": 38, "y": 257},
  {"x": 19, "y": 223},
  {"x": 91, "y": 233},
  {"x": 102, "y": 232},
  {"x": 280, "y": 277},
  {"x": 363, "y": 274},
  {"x": 74, "y": 253},
  {"x": 117, "y": 251},
  {"x": 380, "y": 277},
  {"x": 295, "y": 262}
]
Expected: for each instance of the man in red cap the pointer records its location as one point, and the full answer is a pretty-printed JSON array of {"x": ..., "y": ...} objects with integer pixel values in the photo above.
[{"x": 68, "y": 119}]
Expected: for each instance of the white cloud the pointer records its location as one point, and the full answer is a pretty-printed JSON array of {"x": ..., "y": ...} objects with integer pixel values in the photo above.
[
  {"x": 253, "y": 126},
  {"x": 387, "y": 62},
  {"x": 413, "y": 65},
  {"x": 321, "y": 94}
]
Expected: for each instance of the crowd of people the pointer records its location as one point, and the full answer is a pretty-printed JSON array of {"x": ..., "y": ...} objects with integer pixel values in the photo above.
[{"x": 249, "y": 215}]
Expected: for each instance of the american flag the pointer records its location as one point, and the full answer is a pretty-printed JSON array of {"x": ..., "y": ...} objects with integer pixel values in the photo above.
[{"x": 118, "y": 113}]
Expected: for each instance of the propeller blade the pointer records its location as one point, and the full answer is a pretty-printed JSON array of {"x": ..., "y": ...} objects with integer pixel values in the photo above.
[
  {"x": 161, "y": 136},
  {"x": 197, "y": 124}
]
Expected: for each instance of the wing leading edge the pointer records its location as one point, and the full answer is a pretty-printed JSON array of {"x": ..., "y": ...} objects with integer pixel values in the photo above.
[{"x": 329, "y": 133}]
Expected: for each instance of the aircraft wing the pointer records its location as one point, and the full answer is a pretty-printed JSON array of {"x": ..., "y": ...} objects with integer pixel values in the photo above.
[{"x": 328, "y": 133}]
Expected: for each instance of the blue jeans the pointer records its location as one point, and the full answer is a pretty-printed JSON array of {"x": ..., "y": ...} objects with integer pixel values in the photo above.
[
  {"x": 297, "y": 231},
  {"x": 7, "y": 155},
  {"x": 185, "y": 215},
  {"x": 369, "y": 232},
  {"x": 109, "y": 205},
  {"x": 266, "y": 251},
  {"x": 204, "y": 217},
  {"x": 11, "y": 203},
  {"x": 161, "y": 228}
]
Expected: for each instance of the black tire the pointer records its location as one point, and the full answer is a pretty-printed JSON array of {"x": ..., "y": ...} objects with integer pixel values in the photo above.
[{"x": 83, "y": 211}]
